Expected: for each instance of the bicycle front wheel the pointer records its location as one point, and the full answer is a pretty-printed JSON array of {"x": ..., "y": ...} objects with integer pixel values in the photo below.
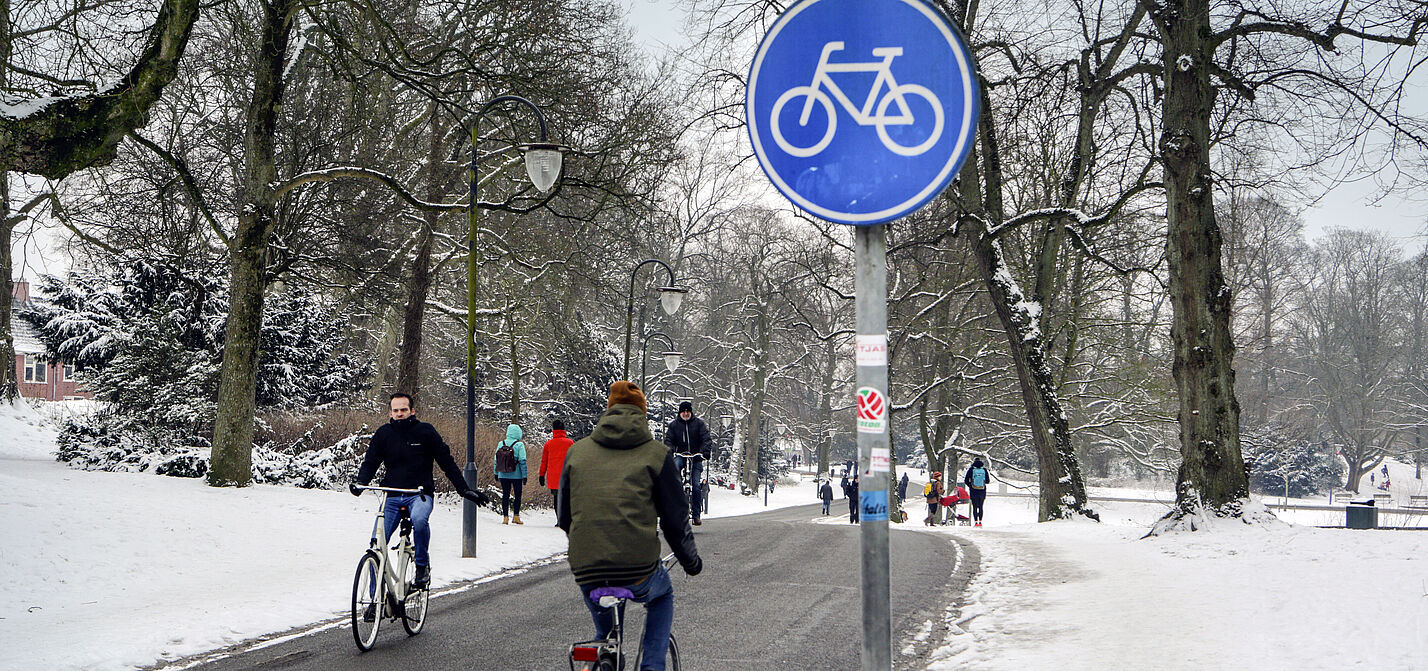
[
  {"x": 366, "y": 604},
  {"x": 414, "y": 608}
]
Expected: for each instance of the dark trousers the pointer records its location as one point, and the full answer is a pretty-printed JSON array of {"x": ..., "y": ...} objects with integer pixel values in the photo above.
[
  {"x": 932, "y": 511},
  {"x": 696, "y": 477},
  {"x": 509, "y": 485},
  {"x": 979, "y": 496},
  {"x": 853, "y": 508}
]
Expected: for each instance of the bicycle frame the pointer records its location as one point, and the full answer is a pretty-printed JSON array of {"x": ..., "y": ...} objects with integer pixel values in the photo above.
[
  {"x": 863, "y": 116},
  {"x": 613, "y": 645},
  {"x": 393, "y": 579}
]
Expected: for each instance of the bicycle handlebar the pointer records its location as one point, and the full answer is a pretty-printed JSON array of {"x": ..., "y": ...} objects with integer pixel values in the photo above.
[
  {"x": 668, "y": 562},
  {"x": 419, "y": 491}
]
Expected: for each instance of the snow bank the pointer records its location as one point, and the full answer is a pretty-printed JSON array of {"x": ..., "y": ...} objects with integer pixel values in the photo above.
[{"x": 24, "y": 433}]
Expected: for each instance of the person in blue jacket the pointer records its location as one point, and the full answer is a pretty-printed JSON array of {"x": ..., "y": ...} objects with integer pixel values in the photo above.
[
  {"x": 976, "y": 480},
  {"x": 511, "y": 473}
]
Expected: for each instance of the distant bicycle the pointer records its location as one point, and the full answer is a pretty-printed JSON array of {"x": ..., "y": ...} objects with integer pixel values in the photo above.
[
  {"x": 606, "y": 654},
  {"x": 686, "y": 475},
  {"x": 400, "y": 599},
  {"x": 865, "y": 115}
]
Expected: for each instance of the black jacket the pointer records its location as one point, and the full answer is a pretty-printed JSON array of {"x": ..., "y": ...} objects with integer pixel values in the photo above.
[
  {"x": 689, "y": 437},
  {"x": 408, "y": 447},
  {"x": 825, "y": 492}
]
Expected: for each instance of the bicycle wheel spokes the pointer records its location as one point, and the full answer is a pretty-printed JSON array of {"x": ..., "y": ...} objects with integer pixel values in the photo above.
[
  {"x": 366, "y": 602},
  {"x": 414, "y": 607}
]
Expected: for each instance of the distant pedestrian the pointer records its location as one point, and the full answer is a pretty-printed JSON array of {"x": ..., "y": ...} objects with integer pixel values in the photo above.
[
  {"x": 825, "y": 492},
  {"x": 902, "y": 488},
  {"x": 552, "y": 460},
  {"x": 511, "y": 472},
  {"x": 850, "y": 490},
  {"x": 976, "y": 481},
  {"x": 932, "y": 494}
]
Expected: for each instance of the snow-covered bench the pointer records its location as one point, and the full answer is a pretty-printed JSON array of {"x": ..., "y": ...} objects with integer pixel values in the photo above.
[
  {"x": 1343, "y": 497},
  {"x": 1417, "y": 501},
  {"x": 1380, "y": 498}
]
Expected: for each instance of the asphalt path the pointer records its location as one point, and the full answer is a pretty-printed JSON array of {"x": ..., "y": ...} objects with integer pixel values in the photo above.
[{"x": 777, "y": 592}]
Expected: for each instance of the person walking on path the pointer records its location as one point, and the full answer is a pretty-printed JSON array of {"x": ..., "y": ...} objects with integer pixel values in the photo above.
[
  {"x": 408, "y": 447},
  {"x": 619, "y": 489},
  {"x": 511, "y": 472},
  {"x": 825, "y": 492},
  {"x": 902, "y": 488},
  {"x": 850, "y": 490},
  {"x": 552, "y": 459},
  {"x": 976, "y": 480},
  {"x": 687, "y": 434},
  {"x": 932, "y": 493}
]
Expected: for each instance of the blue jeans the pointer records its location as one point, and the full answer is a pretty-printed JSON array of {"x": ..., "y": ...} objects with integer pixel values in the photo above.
[
  {"x": 420, "y": 508},
  {"x": 657, "y": 594},
  {"x": 696, "y": 473}
]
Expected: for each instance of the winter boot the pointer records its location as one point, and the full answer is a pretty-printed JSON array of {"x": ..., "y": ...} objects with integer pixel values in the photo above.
[
  {"x": 370, "y": 615},
  {"x": 505, "y": 520},
  {"x": 423, "y": 577},
  {"x": 516, "y": 520}
]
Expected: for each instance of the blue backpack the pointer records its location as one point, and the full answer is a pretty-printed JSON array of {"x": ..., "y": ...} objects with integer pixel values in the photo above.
[{"x": 979, "y": 477}]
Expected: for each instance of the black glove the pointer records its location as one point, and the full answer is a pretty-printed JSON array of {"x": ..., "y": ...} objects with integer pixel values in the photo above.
[
  {"x": 352, "y": 487},
  {"x": 475, "y": 496},
  {"x": 523, "y": 481},
  {"x": 542, "y": 480},
  {"x": 693, "y": 567}
]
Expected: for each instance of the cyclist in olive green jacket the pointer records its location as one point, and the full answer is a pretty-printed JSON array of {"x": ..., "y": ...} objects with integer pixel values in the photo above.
[{"x": 619, "y": 486}]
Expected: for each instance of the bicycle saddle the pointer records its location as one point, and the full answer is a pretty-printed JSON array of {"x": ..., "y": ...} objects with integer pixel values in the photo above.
[{"x": 617, "y": 592}]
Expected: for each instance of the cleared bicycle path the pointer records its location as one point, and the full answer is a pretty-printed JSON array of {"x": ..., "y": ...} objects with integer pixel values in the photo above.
[{"x": 777, "y": 592}]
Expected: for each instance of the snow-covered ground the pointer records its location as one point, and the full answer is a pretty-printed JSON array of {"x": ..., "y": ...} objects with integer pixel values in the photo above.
[
  {"x": 118, "y": 570},
  {"x": 1080, "y": 595}
]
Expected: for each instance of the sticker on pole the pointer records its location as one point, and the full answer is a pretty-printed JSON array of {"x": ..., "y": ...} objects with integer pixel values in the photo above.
[
  {"x": 874, "y": 505},
  {"x": 872, "y": 411},
  {"x": 872, "y": 350},
  {"x": 862, "y": 111},
  {"x": 880, "y": 461}
]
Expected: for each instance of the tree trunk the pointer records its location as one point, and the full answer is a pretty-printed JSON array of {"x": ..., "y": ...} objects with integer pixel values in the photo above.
[
  {"x": 516, "y": 366},
  {"x": 419, "y": 287},
  {"x": 237, "y": 385},
  {"x": 1063, "y": 493},
  {"x": 756, "y": 408},
  {"x": 9, "y": 385},
  {"x": 1212, "y": 476},
  {"x": 825, "y": 408}
]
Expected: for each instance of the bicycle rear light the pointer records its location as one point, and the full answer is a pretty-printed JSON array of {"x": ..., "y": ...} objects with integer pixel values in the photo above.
[{"x": 582, "y": 653}]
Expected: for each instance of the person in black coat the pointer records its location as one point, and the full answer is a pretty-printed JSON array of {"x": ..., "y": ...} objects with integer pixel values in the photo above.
[
  {"x": 825, "y": 492},
  {"x": 850, "y": 490},
  {"x": 409, "y": 447},
  {"x": 687, "y": 435},
  {"x": 902, "y": 488}
]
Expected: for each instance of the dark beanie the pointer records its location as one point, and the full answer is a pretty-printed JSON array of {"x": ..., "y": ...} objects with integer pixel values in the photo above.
[
  {"x": 686, "y": 405},
  {"x": 557, "y": 425},
  {"x": 626, "y": 392}
]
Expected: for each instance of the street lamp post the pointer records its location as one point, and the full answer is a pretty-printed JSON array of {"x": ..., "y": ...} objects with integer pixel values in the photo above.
[
  {"x": 543, "y": 163},
  {"x": 671, "y": 357},
  {"x": 670, "y": 297}
]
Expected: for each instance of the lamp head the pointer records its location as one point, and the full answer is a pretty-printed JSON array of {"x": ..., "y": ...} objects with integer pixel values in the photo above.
[
  {"x": 671, "y": 360},
  {"x": 543, "y": 163},
  {"x": 670, "y": 298}
]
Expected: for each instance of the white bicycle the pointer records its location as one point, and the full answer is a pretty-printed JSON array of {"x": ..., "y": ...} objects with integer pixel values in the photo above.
[
  {"x": 400, "y": 600},
  {"x": 873, "y": 111}
]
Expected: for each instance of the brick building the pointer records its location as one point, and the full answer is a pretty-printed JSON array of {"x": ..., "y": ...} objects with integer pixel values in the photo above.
[{"x": 38, "y": 378}]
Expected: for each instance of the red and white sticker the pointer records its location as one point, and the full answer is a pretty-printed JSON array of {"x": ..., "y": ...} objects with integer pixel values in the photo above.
[{"x": 872, "y": 410}]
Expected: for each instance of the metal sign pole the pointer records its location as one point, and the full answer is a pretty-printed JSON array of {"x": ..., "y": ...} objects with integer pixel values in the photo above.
[{"x": 870, "y": 285}]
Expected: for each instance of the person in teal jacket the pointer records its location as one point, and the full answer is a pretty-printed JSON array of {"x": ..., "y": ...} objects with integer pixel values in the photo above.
[{"x": 511, "y": 473}]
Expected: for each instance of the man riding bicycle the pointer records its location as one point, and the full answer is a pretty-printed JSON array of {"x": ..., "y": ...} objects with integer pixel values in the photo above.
[
  {"x": 408, "y": 447},
  {"x": 687, "y": 434},
  {"x": 618, "y": 489}
]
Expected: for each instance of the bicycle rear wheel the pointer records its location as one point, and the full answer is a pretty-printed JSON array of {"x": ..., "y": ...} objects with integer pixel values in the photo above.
[
  {"x": 366, "y": 604},
  {"x": 414, "y": 608}
]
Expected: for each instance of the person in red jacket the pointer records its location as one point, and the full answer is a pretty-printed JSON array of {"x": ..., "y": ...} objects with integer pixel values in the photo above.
[{"x": 552, "y": 459}]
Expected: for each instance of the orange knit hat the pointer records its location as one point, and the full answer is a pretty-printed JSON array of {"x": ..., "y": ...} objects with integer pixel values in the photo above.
[{"x": 626, "y": 392}]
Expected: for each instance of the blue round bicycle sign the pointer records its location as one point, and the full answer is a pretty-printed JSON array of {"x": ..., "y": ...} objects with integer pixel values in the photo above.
[{"x": 861, "y": 111}]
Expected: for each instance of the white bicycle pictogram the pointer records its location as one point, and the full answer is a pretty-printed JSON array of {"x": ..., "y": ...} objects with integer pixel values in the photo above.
[{"x": 866, "y": 115}]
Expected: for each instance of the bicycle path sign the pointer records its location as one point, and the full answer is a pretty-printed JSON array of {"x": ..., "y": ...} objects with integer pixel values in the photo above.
[{"x": 861, "y": 111}]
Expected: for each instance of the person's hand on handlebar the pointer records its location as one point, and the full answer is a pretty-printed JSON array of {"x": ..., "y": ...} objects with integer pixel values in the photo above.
[
  {"x": 352, "y": 487},
  {"x": 475, "y": 496}
]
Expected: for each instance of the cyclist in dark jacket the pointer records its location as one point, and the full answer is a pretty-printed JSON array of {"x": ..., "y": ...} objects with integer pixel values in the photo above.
[
  {"x": 409, "y": 447},
  {"x": 618, "y": 489},
  {"x": 688, "y": 434}
]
